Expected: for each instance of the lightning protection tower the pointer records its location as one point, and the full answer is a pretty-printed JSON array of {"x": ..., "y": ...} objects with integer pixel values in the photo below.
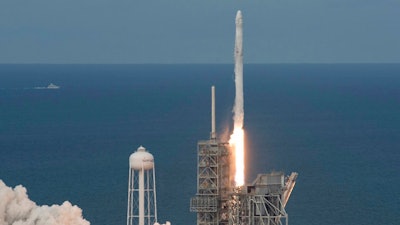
[
  {"x": 142, "y": 206},
  {"x": 213, "y": 178}
]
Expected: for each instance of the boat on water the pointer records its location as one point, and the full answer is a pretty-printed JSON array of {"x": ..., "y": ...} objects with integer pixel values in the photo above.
[{"x": 52, "y": 86}]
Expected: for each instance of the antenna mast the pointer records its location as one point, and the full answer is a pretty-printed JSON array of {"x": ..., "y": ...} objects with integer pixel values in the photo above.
[{"x": 213, "y": 134}]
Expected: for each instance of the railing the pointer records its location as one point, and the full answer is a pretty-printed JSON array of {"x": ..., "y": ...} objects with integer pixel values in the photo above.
[{"x": 203, "y": 204}]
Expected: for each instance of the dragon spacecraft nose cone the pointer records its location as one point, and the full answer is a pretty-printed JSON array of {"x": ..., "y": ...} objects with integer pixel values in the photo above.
[{"x": 239, "y": 17}]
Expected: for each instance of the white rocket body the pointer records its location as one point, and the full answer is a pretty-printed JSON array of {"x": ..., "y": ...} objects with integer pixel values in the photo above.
[{"x": 239, "y": 101}]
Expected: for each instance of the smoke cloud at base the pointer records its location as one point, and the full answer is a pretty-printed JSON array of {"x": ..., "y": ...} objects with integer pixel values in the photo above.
[{"x": 17, "y": 209}]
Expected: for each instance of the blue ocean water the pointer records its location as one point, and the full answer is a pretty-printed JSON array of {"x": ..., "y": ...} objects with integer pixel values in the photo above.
[{"x": 337, "y": 125}]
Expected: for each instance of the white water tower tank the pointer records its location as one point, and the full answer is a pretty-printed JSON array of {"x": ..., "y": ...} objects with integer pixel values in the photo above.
[
  {"x": 142, "y": 204},
  {"x": 141, "y": 159}
]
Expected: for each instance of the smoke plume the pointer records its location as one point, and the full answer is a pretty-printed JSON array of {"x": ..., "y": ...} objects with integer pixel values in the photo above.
[{"x": 17, "y": 209}]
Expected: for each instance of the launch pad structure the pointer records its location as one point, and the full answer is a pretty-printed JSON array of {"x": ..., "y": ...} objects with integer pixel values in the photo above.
[{"x": 219, "y": 202}]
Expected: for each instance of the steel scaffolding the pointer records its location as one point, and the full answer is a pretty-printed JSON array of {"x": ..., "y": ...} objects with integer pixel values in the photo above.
[
  {"x": 219, "y": 203},
  {"x": 213, "y": 183}
]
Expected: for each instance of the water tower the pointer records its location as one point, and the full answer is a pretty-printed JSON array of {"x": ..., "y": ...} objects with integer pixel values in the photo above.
[{"x": 142, "y": 206}]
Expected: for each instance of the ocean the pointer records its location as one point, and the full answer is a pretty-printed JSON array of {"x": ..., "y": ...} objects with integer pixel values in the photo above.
[{"x": 337, "y": 125}]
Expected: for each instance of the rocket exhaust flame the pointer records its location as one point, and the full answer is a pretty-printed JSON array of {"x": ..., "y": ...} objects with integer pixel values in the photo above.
[
  {"x": 237, "y": 138},
  {"x": 237, "y": 143}
]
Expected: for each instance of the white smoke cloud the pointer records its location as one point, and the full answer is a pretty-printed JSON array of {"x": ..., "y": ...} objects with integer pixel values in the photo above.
[{"x": 17, "y": 209}]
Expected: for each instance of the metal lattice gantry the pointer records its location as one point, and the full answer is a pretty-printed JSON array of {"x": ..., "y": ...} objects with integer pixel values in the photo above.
[
  {"x": 263, "y": 202},
  {"x": 212, "y": 183}
]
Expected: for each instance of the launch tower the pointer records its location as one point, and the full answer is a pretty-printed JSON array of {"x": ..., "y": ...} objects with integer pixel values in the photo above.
[
  {"x": 219, "y": 202},
  {"x": 213, "y": 178}
]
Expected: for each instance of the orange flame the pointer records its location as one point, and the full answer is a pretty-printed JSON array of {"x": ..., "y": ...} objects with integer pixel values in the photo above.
[{"x": 237, "y": 143}]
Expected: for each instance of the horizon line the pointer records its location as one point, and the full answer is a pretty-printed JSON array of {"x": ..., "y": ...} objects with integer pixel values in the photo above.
[{"x": 194, "y": 63}]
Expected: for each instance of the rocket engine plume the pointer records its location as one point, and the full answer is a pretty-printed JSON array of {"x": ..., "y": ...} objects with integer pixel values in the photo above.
[{"x": 237, "y": 138}]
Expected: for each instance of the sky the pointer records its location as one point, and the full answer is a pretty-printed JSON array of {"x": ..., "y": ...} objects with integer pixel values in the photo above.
[{"x": 199, "y": 31}]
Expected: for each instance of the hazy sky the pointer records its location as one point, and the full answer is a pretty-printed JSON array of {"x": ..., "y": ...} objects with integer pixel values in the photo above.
[{"x": 198, "y": 31}]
